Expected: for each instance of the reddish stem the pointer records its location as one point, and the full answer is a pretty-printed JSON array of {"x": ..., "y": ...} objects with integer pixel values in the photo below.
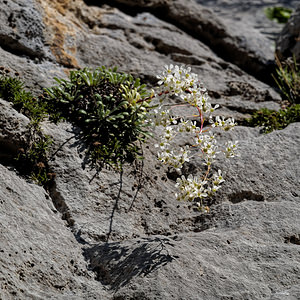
[{"x": 148, "y": 98}]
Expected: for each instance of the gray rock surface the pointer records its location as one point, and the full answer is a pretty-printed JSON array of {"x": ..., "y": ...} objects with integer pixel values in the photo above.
[
  {"x": 22, "y": 28},
  {"x": 13, "y": 129},
  {"x": 40, "y": 257},
  {"x": 288, "y": 43},
  {"x": 248, "y": 21},
  {"x": 161, "y": 241},
  {"x": 233, "y": 37},
  {"x": 117, "y": 236}
]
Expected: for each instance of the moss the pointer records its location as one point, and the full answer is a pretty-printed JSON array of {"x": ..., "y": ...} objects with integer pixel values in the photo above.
[
  {"x": 32, "y": 157},
  {"x": 12, "y": 89},
  {"x": 271, "y": 120},
  {"x": 278, "y": 13}
]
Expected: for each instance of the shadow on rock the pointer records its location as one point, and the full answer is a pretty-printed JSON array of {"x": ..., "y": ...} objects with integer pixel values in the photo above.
[{"x": 116, "y": 264}]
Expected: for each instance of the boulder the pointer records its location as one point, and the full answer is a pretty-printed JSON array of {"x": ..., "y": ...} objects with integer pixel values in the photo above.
[
  {"x": 103, "y": 234},
  {"x": 139, "y": 241},
  {"x": 40, "y": 257},
  {"x": 253, "y": 54},
  {"x": 247, "y": 22},
  {"x": 288, "y": 43}
]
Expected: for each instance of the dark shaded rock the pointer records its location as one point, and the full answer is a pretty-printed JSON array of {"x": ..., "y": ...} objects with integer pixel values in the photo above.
[
  {"x": 228, "y": 40},
  {"x": 247, "y": 21},
  {"x": 288, "y": 43}
]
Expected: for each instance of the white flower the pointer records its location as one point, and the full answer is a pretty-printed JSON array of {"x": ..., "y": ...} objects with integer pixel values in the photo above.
[
  {"x": 230, "y": 149},
  {"x": 217, "y": 178},
  {"x": 162, "y": 145},
  {"x": 174, "y": 159},
  {"x": 190, "y": 188},
  {"x": 160, "y": 116},
  {"x": 179, "y": 81},
  {"x": 225, "y": 124},
  {"x": 188, "y": 126}
]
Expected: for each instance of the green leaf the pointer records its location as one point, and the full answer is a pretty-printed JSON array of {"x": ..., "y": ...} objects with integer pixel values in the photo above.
[{"x": 89, "y": 120}]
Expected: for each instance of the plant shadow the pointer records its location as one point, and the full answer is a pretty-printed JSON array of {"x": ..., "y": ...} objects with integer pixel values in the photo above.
[{"x": 116, "y": 263}]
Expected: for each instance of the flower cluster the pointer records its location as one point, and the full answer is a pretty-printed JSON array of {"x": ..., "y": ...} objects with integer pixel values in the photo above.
[
  {"x": 221, "y": 122},
  {"x": 192, "y": 187},
  {"x": 180, "y": 82}
]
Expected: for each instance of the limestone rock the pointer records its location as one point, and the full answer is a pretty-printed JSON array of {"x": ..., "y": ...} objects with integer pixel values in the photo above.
[
  {"x": 13, "y": 128},
  {"x": 288, "y": 43},
  {"x": 246, "y": 21},
  {"x": 116, "y": 236},
  {"x": 40, "y": 257},
  {"x": 76, "y": 35},
  {"x": 22, "y": 28}
]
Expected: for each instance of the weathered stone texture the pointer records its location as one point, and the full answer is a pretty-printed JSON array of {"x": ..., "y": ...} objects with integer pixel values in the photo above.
[
  {"x": 111, "y": 236},
  {"x": 288, "y": 43},
  {"x": 40, "y": 257}
]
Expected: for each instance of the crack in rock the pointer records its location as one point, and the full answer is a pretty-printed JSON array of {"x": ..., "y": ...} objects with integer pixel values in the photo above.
[
  {"x": 293, "y": 239},
  {"x": 245, "y": 195},
  {"x": 60, "y": 205},
  {"x": 202, "y": 24},
  {"x": 165, "y": 48},
  {"x": 13, "y": 46}
]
